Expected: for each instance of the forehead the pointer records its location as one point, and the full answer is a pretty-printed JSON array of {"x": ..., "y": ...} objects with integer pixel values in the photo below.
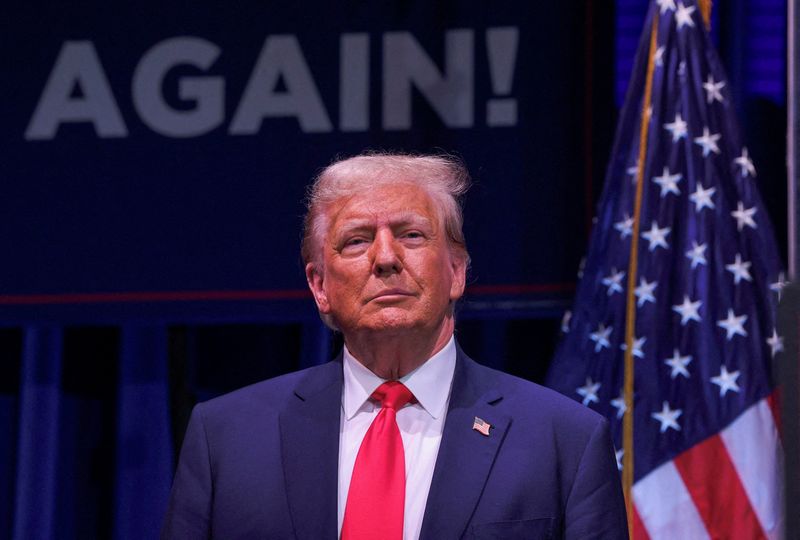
[{"x": 385, "y": 202}]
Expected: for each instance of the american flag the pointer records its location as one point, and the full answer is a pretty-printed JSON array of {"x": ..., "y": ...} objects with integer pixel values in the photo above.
[
  {"x": 481, "y": 426},
  {"x": 706, "y": 446}
]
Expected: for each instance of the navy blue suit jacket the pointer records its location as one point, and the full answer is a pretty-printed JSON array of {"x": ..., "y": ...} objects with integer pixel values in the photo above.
[{"x": 262, "y": 462}]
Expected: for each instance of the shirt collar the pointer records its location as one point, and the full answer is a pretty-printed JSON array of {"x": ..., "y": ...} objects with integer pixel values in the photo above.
[{"x": 430, "y": 383}]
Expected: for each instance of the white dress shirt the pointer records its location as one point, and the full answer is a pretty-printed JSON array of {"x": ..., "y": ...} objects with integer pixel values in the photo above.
[{"x": 420, "y": 427}]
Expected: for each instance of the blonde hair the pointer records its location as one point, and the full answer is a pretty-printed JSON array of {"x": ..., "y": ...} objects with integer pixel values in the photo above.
[{"x": 444, "y": 177}]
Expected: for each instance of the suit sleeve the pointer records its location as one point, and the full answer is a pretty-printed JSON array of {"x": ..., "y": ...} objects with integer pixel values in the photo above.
[
  {"x": 595, "y": 506},
  {"x": 189, "y": 511}
]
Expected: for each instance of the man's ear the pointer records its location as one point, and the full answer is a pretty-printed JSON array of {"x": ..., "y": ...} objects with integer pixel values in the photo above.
[
  {"x": 458, "y": 265},
  {"x": 315, "y": 278}
]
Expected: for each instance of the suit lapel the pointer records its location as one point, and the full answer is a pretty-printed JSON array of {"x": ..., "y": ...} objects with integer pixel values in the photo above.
[
  {"x": 310, "y": 449},
  {"x": 465, "y": 456}
]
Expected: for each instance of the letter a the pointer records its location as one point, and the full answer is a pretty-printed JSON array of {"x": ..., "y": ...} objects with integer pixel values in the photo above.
[
  {"x": 280, "y": 57},
  {"x": 77, "y": 64}
]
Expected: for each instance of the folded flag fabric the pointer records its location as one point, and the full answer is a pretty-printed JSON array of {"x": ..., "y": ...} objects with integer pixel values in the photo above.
[{"x": 706, "y": 446}]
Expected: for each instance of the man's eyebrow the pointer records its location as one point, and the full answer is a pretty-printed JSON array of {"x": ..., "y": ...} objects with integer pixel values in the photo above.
[
  {"x": 405, "y": 218},
  {"x": 355, "y": 223},
  {"x": 410, "y": 217}
]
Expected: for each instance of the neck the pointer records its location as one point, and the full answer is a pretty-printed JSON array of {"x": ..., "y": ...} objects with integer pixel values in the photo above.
[{"x": 394, "y": 355}]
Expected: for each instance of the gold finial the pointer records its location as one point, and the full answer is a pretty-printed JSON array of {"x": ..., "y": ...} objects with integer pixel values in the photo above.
[{"x": 705, "y": 11}]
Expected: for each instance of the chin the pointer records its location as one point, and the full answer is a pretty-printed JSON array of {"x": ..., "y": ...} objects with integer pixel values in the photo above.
[
  {"x": 391, "y": 320},
  {"x": 392, "y": 325}
]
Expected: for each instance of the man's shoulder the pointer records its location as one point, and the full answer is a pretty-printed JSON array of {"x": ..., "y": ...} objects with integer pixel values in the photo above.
[
  {"x": 527, "y": 400},
  {"x": 273, "y": 394}
]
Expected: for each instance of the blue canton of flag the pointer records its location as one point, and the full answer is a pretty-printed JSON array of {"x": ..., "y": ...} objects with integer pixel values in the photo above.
[{"x": 706, "y": 446}]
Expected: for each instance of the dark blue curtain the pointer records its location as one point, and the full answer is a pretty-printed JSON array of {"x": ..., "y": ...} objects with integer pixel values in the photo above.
[
  {"x": 87, "y": 441},
  {"x": 40, "y": 449},
  {"x": 143, "y": 442},
  {"x": 91, "y": 418}
]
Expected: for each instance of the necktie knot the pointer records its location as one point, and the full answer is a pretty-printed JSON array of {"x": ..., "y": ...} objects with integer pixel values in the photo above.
[{"x": 393, "y": 394}]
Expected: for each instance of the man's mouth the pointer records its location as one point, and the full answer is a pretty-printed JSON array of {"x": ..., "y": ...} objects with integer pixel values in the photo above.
[{"x": 388, "y": 295}]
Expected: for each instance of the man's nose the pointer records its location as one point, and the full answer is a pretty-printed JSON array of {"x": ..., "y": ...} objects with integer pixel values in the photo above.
[{"x": 386, "y": 258}]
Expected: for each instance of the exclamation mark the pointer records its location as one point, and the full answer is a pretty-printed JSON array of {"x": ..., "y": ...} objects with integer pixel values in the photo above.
[{"x": 501, "y": 45}]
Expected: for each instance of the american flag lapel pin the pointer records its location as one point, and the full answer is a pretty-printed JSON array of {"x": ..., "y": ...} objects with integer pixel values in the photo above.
[{"x": 481, "y": 426}]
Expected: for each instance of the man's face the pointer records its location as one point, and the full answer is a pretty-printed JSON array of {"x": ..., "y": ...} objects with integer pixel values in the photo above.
[{"x": 386, "y": 264}]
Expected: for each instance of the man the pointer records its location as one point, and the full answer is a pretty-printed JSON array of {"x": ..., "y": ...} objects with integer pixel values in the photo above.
[{"x": 402, "y": 436}]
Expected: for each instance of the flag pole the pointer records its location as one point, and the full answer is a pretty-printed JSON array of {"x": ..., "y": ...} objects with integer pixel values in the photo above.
[
  {"x": 705, "y": 11},
  {"x": 630, "y": 313}
]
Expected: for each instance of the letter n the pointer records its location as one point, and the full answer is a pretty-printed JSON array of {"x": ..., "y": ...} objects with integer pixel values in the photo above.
[{"x": 406, "y": 65}]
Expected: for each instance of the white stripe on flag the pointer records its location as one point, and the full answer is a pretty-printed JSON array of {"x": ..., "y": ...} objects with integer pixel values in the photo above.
[
  {"x": 665, "y": 506},
  {"x": 753, "y": 445}
]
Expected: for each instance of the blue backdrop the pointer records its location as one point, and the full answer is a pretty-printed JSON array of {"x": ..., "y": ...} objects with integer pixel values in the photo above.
[{"x": 161, "y": 154}]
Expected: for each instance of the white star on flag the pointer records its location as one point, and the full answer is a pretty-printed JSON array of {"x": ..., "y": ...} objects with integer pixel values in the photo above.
[
  {"x": 619, "y": 404},
  {"x": 668, "y": 182},
  {"x": 744, "y": 216},
  {"x": 581, "y": 266},
  {"x": 733, "y": 325},
  {"x": 683, "y": 16},
  {"x": 613, "y": 281},
  {"x": 638, "y": 343},
  {"x": 678, "y": 364},
  {"x": 708, "y": 141},
  {"x": 644, "y": 292},
  {"x": 702, "y": 198},
  {"x": 657, "y": 237},
  {"x": 668, "y": 417},
  {"x": 775, "y": 342},
  {"x": 746, "y": 164},
  {"x": 600, "y": 337},
  {"x": 779, "y": 285},
  {"x": 633, "y": 171},
  {"x": 677, "y": 127},
  {"x": 565, "y": 321},
  {"x": 740, "y": 269},
  {"x": 589, "y": 391},
  {"x": 658, "y": 57},
  {"x": 688, "y": 310},
  {"x": 625, "y": 227},
  {"x": 618, "y": 455},
  {"x": 666, "y": 5},
  {"x": 726, "y": 380},
  {"x": 697, "y": 254},
  {"x": 713, "y": 90}
]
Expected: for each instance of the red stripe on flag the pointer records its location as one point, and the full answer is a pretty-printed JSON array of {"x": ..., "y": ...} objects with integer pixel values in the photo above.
[
  {"x": 774, "y": 402},
  {"x": 717, "y": 492},
  {"x": 639, "y": 531}
]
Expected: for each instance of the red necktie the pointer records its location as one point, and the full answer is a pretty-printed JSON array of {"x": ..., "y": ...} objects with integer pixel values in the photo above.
[{"x": 377, "y": 494}]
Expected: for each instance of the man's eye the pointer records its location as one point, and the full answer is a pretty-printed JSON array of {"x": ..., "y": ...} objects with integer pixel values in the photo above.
[{"x": 354, "y": 241}]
